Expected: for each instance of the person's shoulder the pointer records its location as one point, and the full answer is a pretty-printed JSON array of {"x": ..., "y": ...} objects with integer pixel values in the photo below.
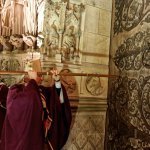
[{"x": 15, "y": 86}]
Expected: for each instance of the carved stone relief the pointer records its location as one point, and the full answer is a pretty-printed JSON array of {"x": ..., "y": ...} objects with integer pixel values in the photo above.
[
  {"x": 56, "y": 34},
  {"x": 15, "y": 62},
  {"x": 62, "y": 29},
  {"x": 8, "y": 64},
  {"x": 93, "y": 86},
  {"x": 11, "y": 79}
]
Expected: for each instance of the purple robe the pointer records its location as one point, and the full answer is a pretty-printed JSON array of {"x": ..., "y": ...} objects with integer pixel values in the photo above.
[
  {"x": 61, "y": 116},
  {"x": 23, "y": 127},
  {"x": 3, "y": 97}
]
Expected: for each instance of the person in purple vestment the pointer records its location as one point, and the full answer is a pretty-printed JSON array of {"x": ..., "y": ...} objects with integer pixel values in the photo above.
[
  {"x": 22, "y": 129},
  {"x": 3, "y": 97},
  {"x": 59, "y": 111},
  {"x": 36, "y": 115}
]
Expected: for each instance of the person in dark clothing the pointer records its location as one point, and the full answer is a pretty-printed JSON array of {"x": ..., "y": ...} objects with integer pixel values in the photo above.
[
  {"x": 23, "y": 122},
  {"x": 3, "y": 97},
  {"x": 59, "y": 111},
  {"x": 36, "y": 115}
]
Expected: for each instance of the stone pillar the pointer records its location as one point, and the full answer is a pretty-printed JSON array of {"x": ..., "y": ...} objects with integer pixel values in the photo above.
[{"x": 128, "y": 123}]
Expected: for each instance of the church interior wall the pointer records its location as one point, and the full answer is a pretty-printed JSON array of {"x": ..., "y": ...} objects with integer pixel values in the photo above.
[{"x": 92, "y": 36}]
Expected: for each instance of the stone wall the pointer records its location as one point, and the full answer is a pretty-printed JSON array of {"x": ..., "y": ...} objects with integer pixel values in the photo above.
[{"x": 85, "y": 49}]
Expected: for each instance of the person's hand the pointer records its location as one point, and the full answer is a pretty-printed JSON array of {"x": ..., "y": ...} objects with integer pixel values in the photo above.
[
  {"x": 47, "y": 124},
  {"x": 55, "y": 75},
  {"x": 35, "y": 76}
]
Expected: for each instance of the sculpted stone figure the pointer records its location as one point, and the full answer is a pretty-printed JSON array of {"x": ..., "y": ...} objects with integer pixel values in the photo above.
[
  {"x": 29, "y": 40},
  {"x": 17, "y": 42},
  {"x": 18, "y": 17},
  {"x": 69, "y": 42},
  {"x": 7, "y": 47}
]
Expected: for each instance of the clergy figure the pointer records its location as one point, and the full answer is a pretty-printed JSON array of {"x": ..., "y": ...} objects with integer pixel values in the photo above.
[
  {"x": 36, "y": 116},
  {"x": 3, "y": 97}
]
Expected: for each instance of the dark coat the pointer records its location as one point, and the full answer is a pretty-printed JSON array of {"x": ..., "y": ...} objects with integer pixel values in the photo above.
[
  {"x": 3, "y": 98},
  {"x": 23, "y": 128},
  {"x": 23, "y": 125},
  {"x": 61, "y": 116}
]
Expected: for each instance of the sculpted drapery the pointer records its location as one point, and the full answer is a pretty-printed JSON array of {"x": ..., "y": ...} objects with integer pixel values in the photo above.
[
  {"x": 18, "y": 17},
  {"x": 55, "y": 25}
]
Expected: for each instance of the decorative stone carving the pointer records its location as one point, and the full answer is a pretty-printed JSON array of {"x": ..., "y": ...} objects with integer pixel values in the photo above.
[
  {"x": 93, "y": 86},
  {"x": 18, "y": 17},
  {"x": 29, "y": 41},
  {"x": 10, "y": 80},
  {"x": 17, "y": 42},
  {"x": 7, "y": 47},
  {"x": 9, "y": 64},
  {"x": 62, "y": 29}
]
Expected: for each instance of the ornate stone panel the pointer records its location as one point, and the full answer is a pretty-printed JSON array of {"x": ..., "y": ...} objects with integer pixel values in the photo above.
[
  {"x": 62, "y": 29},
  {"x": 15, "y": 62},
  {"x": 87, "y": 132}
]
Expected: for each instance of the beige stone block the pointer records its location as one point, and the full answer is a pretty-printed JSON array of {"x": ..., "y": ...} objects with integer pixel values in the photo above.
[
  {"x": 104, "y": 4},
  {"x": 91, "y": 19},
  {"x": 95, "y": 43},
  {"x": 78, "y": 2},
  {"x": 104, "y": 22},
  {"x": 97, "y": 60},
  {"x": 87, "y": 126}
]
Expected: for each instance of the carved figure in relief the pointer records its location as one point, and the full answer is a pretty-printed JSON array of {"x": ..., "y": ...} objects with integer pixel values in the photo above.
[
  {"x": 4, "y": 64},
  {"x": 29, "y": 40},
  {"x": 54, "y": 15},
  {"x": 17, "y": 42},
  {"x": 7, "y": 47},
  {"x": 53, "y": 36},
  {"x": 69, "y": 82},
  {"x": 18, "y": 17},
  {"x": 40, "y": 11},
  {"x": 40, "y": 43},
  {"x": 30, "y": 16},
  {"x": 93, "y": 86},
  {"x": 69, "y": 42},
  {"x": 12, "y": 15},
  {"x": 14, "y": 64}
]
